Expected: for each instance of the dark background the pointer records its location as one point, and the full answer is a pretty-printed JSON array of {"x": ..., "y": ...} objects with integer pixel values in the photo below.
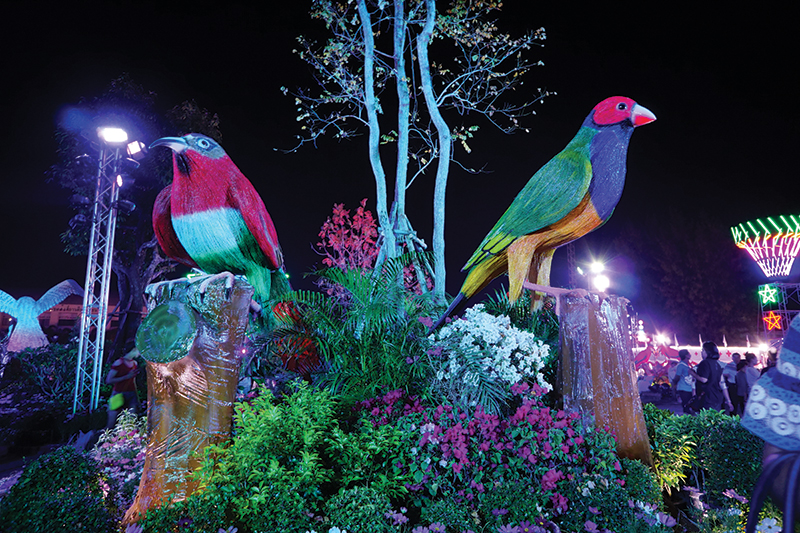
[{"x": 721, "y": 82}]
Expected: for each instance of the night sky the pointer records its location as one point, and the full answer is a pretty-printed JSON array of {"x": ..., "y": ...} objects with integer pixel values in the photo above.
[{"x": 722, "y": 84}]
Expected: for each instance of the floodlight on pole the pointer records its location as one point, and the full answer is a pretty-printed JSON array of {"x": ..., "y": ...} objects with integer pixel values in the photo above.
[
  {"x": 112, "y": 136},
  {"x": 94, "y": 313},
  {"x": 601, "y": 282}
]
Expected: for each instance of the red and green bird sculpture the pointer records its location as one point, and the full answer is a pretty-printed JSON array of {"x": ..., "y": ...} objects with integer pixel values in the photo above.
[
  {"x": 212, "y": 218},
  {"x": 573, "y": 194}
]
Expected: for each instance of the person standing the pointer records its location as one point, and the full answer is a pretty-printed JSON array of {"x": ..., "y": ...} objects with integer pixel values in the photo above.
[
  {"x": 683, "y": 381},
  {"x": 710, "y": 383},
  {"x": 123, "y": 378},
  {"x": 742, "y": 389},
  {"x": 751, "y": 371}
]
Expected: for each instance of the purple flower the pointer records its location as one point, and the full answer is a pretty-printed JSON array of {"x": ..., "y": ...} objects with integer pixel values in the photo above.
[
  {"x": 436, "y": 527},
  {"x": 426, "y": 321},
  {"x": 730, "y": 493},
  {"x": 508, "y": 529},
  {"x": 420, "y": 529},
  {"x": 590, "y": 527},
  {"x": 499, "y": 512},
  {"x": 666, "y": 519},
  {"x": 594, "y": 510}
]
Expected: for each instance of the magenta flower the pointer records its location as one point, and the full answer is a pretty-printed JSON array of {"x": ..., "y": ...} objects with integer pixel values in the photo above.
[
  {"x": 551, "y": 478},
  {"x": 560, "y": 502}
]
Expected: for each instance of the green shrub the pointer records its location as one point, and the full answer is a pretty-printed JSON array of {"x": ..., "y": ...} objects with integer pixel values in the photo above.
[
  {"x": 62, "y": 491},
  {"x": 368, "y": 332},
  {"x": 367, "y": 457},
  {"x": 200, "y": 513},
  {"x": 731, "y": 458},
  {"x": 271, "y": 474},
  {"x": 673, "y": 447},
  {"x": 51, "y": 369},
  {"x": 359, "y": 510},
  {"x": 640, "y": 482},
  {"x": 507, "y": 502},
  {"x": 710, "y": 450},
  {"x": 606, "y": 504}
]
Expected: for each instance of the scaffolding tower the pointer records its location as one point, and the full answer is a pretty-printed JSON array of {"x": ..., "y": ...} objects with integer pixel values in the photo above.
[
  {"x": 94, "y": 315},
  {"x": 780, "y": 303}
]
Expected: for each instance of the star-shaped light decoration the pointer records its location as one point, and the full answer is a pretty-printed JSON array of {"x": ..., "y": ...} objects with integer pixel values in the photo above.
[
  {"x": 773, "y": 321},
  {"x": 768, "y": 294}
]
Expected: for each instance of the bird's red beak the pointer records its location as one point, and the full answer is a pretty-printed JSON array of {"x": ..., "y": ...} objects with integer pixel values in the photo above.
[{"x": 641, "y": 115}]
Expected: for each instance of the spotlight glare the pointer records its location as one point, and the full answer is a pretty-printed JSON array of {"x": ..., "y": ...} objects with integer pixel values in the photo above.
[
  {"x": 113, "y": 135},
  {"x": 601, "y": 282},
  {"x": 597, "y": 267}
]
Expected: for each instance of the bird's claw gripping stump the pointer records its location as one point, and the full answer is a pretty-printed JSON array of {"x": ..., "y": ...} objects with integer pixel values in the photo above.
[
  {"x": 191, "y": 340},
  {"x": 203, "y": 279}
]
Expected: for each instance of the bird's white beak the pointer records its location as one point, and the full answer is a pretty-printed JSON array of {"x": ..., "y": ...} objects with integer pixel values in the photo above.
[
  {"x": 176, "y": 144},
  {"x": 640, "y": 116}
]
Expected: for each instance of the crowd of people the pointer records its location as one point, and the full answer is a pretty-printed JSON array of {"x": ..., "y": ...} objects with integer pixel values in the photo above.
[{"x": 716, "y": 385}]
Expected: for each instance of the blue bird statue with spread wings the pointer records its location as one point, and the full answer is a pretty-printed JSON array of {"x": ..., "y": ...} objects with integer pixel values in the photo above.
[{"x": 27, "y": 333}]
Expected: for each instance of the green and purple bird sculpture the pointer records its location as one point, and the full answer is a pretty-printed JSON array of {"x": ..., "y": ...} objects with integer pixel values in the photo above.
[
  {"x": 571, "y": 195},
  {"x": 212, "y": 218}
]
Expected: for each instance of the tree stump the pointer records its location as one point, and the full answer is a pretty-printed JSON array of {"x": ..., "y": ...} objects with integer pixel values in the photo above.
[
  {"x": 597, "y": 375},
  {"x": 192, "y": 344}
]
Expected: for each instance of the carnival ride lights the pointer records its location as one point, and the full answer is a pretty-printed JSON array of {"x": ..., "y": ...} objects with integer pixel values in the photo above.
[{"x": 772, "y": 244}]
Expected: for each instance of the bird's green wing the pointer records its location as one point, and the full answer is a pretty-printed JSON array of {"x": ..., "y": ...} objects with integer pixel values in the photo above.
[{"x": 555, "y": 190}]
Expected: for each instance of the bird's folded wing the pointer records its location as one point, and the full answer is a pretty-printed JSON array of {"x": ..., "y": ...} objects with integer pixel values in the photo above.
[
  {"x": 555, "y": 190},
  {"x": 243, "y": 196}
]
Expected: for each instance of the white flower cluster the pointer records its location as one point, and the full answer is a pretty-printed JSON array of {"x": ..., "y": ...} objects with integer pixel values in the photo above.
[{"x": 508, "y": 354}]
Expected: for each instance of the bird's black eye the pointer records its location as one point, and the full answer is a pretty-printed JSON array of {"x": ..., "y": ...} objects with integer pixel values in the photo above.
[
  {"x": 622, "y": 106},
  {"x": 203, "y": 143}
]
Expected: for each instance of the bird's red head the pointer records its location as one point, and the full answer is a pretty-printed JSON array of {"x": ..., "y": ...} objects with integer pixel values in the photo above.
[{"x": 618, "y": 109}]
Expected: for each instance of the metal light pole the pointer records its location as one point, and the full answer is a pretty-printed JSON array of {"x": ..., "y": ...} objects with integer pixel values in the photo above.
[{"x": 94, "y": 314}]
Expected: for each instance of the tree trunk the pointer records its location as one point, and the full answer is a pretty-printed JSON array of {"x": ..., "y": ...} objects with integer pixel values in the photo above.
[
  {"x": 388, "y": 248},
  {"x": 445, "y": 146},
  {"x": 596, "y": 374},
  {"x": 192, "y": 343}
]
